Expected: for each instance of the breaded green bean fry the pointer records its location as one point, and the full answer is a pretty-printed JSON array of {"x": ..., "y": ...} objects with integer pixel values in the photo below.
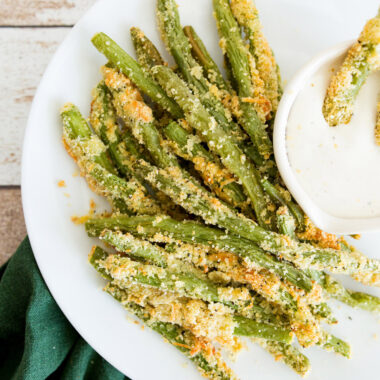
[
  {"x": 239, "y": 58},
  {"x": 377, "y": 126},
  {"x": 362, "y": 59},
  {"x": 247, "y": 16},
  {"x": 148, "y": 55},
  {"x": 218, "y": 141},
  {"x": 125, "y": 63}
]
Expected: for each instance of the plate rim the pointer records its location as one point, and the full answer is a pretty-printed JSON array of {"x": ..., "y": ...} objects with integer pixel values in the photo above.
[
  {"x": 29, "y": 217},
  {"x": 32, "y": 236}
]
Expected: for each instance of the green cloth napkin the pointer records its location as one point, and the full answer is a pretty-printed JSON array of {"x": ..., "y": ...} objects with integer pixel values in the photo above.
[{"x": 36, "y": 340}]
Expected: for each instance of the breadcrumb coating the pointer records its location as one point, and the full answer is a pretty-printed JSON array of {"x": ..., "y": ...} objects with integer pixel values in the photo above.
[
  {"x": 362, "y": 59},
  {"x": 84, "y": 151},
  {"x": 215, "y": 368},
  {"x": 230, "y": 269},
  {"x": 212, "y": 320},
  {"x": 317, "y": 236},
  {"x": 129, "y": 101},
  {"x": 377, "y": 126},
  {"x": 247, "y": 16}
]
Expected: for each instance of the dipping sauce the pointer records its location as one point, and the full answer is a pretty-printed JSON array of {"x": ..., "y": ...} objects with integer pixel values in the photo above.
[{"x": 338, "y": 167}]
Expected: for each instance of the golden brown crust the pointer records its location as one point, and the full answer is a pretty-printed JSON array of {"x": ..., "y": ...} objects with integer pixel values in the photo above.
[
  {"x": 246, "y": 14},
  {"x": 377, "y": 126},
  {"x": 362, "y": 58},
  {"x": 129, "y": 99},
  {"x": 321, "y": 238}
]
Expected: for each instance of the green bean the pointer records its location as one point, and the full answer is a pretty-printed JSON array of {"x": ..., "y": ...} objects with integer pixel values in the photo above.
[
  {"x": 332, "y": 343},
  {"x": 90, "y": 154},
  {"x": 131, "y": 108},
  {"x": 362, "y": 59},
  {"x": 377, "y": 125},
  {"x": 103, "y": 121},
  {"x": 209, "y": 363},
  {"x": 76, "y": 128},
  {"x": 129, "y": 67},
  {"x": 247, "y": 17},
  {"x": 285, "y": 222},
  {"x": 283, "y": 198},
  {"x": 148, "y": 55},
  {"x": 124, "y": 269},
  {"x": 180, "y": 48},
  {"x": 352, "y": 298},
  {"x": 214, "y": 175},
  {"x": 288, "y": 354},
  {"x": 193, "y": 232},
  {"x": 218, "y": 141},
  {"x": 139, "y": 249},
  {"x": 238, "y": 56},
  {"x": 201, "y": 54}
]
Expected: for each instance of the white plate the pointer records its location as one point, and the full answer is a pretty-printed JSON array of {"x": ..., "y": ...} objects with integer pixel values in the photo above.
[{"x": 297, "y": 29}]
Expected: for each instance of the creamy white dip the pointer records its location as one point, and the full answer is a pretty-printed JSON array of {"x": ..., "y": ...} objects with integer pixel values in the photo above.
[{"x": 339, "y": 167}]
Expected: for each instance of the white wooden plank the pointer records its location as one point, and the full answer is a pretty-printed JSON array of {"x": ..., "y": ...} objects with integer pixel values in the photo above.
[
  {"x": 12, "y": 225},
  {"x": 24, "y": 55},
  {"x": 42, "y": 12}
]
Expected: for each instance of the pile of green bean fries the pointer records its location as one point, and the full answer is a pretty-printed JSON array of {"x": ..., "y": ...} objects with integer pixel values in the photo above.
[{"x": 208, "y": 246}]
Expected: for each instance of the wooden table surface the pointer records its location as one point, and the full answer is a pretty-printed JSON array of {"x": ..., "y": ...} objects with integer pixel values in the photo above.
[{"x": 30, "y": 32}]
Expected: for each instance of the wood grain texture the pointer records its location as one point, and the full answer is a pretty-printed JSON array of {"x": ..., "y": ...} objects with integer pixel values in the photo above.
[
  {"x": 42, "y": 12},
  {"x": 12, "y": 225},
  {"x": 24, "y": 53}
]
